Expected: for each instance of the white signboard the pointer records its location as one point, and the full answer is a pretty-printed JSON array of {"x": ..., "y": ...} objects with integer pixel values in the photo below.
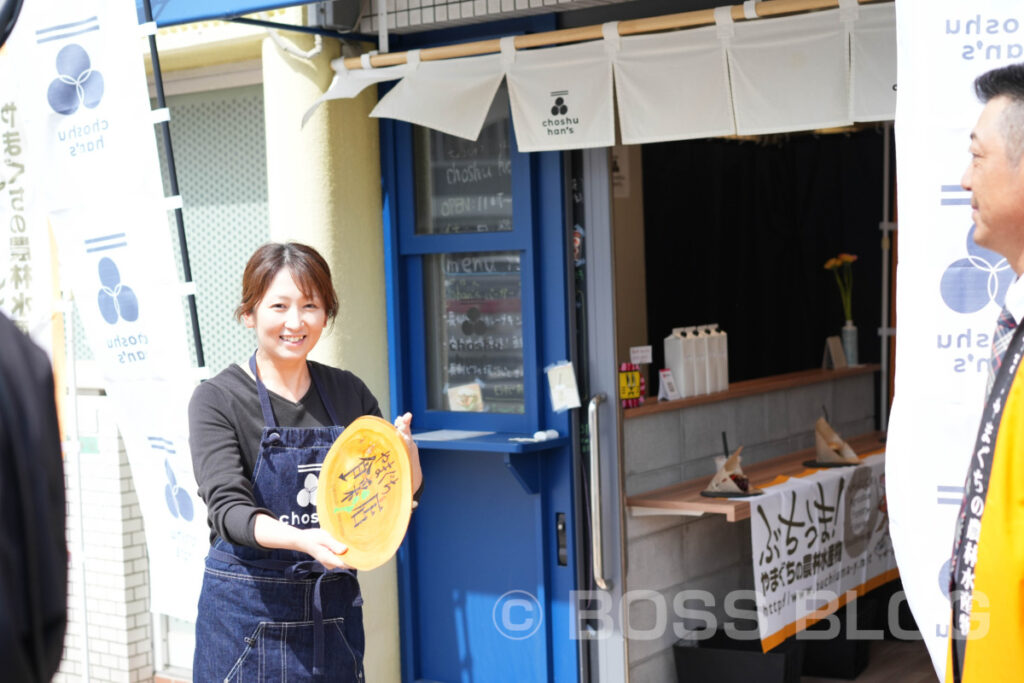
[{"x": 817, "y": 541}]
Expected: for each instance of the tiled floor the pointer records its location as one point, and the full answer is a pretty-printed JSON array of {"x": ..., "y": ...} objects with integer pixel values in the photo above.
[{"x": 905, "y": 661}]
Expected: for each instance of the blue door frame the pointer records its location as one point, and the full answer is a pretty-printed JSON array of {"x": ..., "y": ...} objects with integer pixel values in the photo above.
[{"x": 484, "y": 590}]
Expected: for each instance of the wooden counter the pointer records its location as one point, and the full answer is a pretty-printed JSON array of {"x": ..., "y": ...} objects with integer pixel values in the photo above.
[
  {"x": 751, "y": 387},
  {"x": 685, "y": 498}
]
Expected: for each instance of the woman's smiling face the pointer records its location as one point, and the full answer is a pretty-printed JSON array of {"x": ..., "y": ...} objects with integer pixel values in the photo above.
[{"x": 288, "y": 323}]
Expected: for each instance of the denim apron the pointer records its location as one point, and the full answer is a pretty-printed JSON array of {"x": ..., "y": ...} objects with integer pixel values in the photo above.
[{"x": 278, "y": 614}]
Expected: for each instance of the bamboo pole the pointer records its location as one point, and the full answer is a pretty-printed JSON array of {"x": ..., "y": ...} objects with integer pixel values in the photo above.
[{"x": 631, "y": 27}]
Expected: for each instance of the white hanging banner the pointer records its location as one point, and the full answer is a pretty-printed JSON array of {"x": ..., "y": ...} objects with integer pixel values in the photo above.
[
  {"x": 26, "y": 272},
  {"x": 87, "y": 112},
  {"x": 117, "y": 261},
  {"x": 155, "y": 432},
  {"x": 950, "y": 290},
  {"x": 790, "y": 73},
  {"x": 426, "y": 95},
  {"x": 90, "y": 99},
  {"x": 562, "y": 98},
  {"x": 347, "y": 84},
  {"x": 873, "y": 64},
  {"x": 673, "y": 86}
]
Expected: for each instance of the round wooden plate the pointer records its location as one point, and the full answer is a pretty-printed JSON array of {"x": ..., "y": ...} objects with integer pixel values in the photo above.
[{"x": 364, "y": 494}]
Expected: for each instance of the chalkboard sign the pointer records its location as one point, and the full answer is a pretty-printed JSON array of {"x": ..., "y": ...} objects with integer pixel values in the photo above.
[
  {"x": 465, "y": 186},
  {"x": 475, "y": 330}
]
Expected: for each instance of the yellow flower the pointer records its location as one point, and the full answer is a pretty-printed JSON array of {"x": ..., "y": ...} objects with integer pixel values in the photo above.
[
  {"x": 832, "y": 264},
  {"x": 847, "y": 258}
]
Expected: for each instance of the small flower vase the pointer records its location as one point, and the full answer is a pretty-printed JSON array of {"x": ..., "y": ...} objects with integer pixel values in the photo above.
[{"x": 849, "y": 337}]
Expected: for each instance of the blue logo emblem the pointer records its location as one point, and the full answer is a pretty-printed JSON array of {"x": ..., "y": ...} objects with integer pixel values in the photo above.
[
  {"x": 77, "y": 83},
  {"x": 969, "y": 284},
  {"x": 178, "y": 501},
  {"x": 115, "y": 300}
]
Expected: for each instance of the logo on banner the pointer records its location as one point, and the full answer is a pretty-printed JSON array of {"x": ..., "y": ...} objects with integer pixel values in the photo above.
[
  {"x": 560, "y": 108},
  {"x": 115, "y": 300},
  {"x": 77, "y": 83},
  {"x": 178, "y": 501},
  {"x": 560, "y": 123},
  {"x": 969, "y": 284}
]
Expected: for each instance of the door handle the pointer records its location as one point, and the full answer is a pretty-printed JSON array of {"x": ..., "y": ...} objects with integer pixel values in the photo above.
[{"x": 596, "y": 540}]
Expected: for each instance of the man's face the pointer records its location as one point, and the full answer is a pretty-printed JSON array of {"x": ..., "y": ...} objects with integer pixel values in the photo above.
[{"x": 996, "y": 184}]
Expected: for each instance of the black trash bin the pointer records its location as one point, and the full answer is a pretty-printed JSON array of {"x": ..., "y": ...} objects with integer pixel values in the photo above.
[
  {"x": 722, "y": 659},
  {"x": 846, "y": 655}
]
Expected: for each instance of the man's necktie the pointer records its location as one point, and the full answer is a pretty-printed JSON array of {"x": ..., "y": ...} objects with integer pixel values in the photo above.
[{"x": 1000, "y": 340}]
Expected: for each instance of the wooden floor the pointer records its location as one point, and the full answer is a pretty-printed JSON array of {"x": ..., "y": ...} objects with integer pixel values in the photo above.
[{"x": 892, "y": 661}]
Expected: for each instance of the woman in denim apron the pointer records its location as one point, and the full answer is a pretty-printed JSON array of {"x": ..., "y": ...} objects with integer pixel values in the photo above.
[{"x": 278, "y": 602}]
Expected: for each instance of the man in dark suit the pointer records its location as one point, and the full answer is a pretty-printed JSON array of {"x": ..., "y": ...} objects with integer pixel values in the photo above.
[{"x": 33, "y": 551}]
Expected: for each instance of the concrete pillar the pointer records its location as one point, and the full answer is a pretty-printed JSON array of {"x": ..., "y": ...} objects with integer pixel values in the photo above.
[{"x": 323, "y": 186}]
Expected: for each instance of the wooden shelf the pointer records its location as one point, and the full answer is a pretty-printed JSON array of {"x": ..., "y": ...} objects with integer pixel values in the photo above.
[
  {"x": 750, "y": 387},
  {"x": 685, "y": 498}
]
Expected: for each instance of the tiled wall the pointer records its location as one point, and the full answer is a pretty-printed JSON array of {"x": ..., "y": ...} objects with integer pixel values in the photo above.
[
  {"x": 669, "y": 554},
  {"x": 116, "y": 588}
]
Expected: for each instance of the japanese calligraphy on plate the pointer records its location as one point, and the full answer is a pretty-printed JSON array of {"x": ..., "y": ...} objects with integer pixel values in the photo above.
[{"x": 364, "y": 494}]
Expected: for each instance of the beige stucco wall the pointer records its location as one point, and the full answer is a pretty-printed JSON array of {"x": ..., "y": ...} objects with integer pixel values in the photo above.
[{"x": 323, "y": 182}]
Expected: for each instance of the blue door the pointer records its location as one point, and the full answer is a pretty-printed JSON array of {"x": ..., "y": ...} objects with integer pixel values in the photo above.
[{"x": 478, "y": 284}]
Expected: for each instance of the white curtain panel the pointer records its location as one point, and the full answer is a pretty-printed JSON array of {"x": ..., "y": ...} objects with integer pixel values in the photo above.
[
  {"x": 790, "y": 73},
  {"x": 673, "y": 86},
  {"x": 349, "y": 83},
  {"x": 561, "y": 98},
  {"x": 452, "y": 96},
  {"x": 873, "y": 69}
]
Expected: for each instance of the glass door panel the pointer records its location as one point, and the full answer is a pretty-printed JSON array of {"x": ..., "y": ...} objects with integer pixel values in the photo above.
[{"x": 474, "y": 332}]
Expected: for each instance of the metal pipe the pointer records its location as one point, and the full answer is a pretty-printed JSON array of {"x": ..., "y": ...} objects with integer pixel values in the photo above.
[
  {"x": 666, "y": 22},
  {"x": 885, "y": 331},
  {"x": 361, "y": 37},
  {"x": 596, "y": 540},
  {"x": 73, "y": 453},
  {"x": 172, "y": 173}
]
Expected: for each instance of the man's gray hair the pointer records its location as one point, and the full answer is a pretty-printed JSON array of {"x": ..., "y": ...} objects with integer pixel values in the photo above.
[{"x": 1008, "y": 82}]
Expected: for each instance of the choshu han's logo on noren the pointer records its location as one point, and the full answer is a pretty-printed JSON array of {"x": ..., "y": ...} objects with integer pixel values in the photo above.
[
  {"x": 560, "y": 123},
  {"x": 77, "y": 83},
  {"x": 982, "y": 277}
]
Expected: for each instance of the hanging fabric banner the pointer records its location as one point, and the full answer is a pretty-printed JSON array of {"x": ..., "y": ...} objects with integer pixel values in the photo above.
[
  {"x": 26, "y": 272},
  {"x": 426, "y": 95},
  {"x": 87, "y": 111},
  {"x": 950, "y": 290},
  {"x": 562, "y": 98},
  {"x": 873, "y": 64},
  {"x": 673, "y": 86},
  {"x": 759, "y": 76},
  {"x": 347, "y": 84},
  {"x": 790, "y": 73}
]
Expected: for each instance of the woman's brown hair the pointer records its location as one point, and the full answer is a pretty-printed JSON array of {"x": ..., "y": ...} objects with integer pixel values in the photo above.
[{"x": 307, "y": 266}]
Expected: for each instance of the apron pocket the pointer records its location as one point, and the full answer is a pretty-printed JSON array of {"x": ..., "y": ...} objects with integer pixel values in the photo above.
[{"x": 283, "y": 651}]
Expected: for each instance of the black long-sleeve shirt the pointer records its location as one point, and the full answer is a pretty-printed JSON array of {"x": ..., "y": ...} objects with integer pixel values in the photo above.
[{"x": 225, "y": 424}]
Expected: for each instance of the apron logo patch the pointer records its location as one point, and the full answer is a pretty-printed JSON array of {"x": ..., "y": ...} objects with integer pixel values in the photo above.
[{"x": 306, "y": 497}]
